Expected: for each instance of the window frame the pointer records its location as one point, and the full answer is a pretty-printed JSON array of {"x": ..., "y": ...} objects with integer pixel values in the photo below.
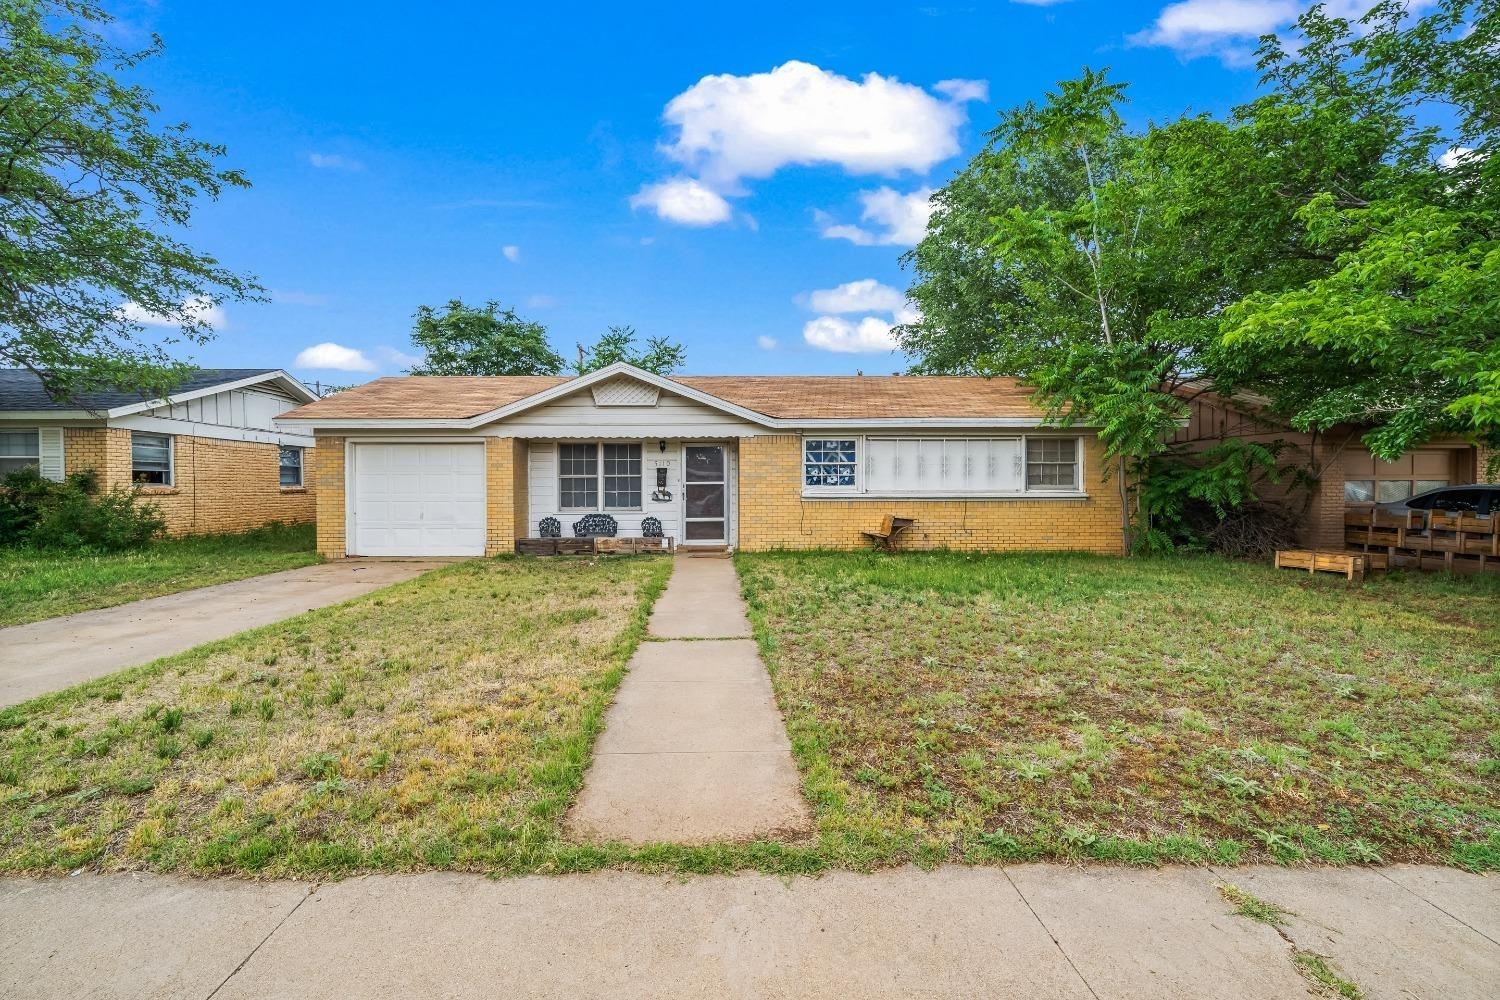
[
  {"x": 599, "y": 477},
  {"x": 860, "y": 490},
  {"x": 301, "y": 466},
  {"x": 35, "y": 459},
  {"x": 857, "y": 487},
  {"x": 1027, "y": 463},
  {"x": 171, "y": 470}
]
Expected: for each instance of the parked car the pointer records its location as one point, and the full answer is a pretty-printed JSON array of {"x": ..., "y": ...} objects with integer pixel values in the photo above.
[{"x": 1477, "y": 498}]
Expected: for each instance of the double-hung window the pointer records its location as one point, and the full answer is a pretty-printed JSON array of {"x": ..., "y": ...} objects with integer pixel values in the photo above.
[
  {"x": 290, "y": 467},
  {"x": 1051, "y": 463},
  {"x": 151, "y": 458},
  {"x": 19, "y": 448},
  {"x": 830, "y": 464},
  {"x": 592, "y": 470}
]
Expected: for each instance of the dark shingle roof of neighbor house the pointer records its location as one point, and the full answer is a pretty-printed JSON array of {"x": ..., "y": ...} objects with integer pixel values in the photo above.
[
  {"x": 20, "y": 390},
  {"x": 791, "y": 397}
]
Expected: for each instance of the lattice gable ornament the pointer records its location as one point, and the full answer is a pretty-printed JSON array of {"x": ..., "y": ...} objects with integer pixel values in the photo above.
[{"x": 622, "y": 390}]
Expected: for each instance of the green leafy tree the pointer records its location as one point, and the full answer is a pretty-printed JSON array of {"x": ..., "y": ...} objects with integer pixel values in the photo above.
[
  {"x": 1403, "y": 319},
  {"x": 659, "y": 355},
  {"x": 92, "y": 185},
  {"x": 481, "y": 340}
]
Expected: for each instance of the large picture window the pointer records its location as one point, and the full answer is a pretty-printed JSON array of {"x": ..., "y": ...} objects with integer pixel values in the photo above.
[
  {"x": 19, "y": 449},
  {"x": 151, "y": 459},
  {"x": 877, "y": 466},
  {"x": 583, "y": 468}
]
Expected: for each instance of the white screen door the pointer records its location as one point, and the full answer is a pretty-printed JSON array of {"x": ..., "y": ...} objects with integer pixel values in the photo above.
[{"x": 705, "y": 494}]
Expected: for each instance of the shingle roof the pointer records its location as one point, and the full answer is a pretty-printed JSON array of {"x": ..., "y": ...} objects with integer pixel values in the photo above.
[
  {"x": 21, "y": 390},
  {"x": 877, "y": 397},
  {"x": 787, "y": 397}
]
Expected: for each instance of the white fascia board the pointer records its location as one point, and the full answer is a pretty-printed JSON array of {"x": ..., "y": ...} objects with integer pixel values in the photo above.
[
  {"x": 930, "y": 423},
  {"x": 32, "y": 416},
  {"x": 218, "y": 432},
  {"x": 323, "y": 424},
  {"x": 282, "y": 378},
  {"x": 622, "y": 368}
]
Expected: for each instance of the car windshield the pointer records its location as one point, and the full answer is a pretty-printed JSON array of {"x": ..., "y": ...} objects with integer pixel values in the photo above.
[{"x": 1473, "y": 500}]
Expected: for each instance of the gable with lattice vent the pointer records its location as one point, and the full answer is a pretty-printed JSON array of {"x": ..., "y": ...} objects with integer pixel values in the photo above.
[{"x": 625, "y": 391}]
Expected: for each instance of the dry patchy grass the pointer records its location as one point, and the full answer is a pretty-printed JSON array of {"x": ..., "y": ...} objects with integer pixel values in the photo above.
[
  {"x": 441, "y": 723},
  {"x": 37, "y": 584},
  {"x": 980, "y": 708}
]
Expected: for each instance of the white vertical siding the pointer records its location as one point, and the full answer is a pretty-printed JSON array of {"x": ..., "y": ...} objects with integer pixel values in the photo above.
[
  {"x": 541, "y": 468},
  {"x": 250, "y": 409}
]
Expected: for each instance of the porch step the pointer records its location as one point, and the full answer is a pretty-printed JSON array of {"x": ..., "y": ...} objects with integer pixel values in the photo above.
[{"x": 704, "y": 551}]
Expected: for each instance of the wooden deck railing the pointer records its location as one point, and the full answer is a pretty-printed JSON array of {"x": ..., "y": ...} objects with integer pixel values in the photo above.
[{"x": 1459, "y": 542}]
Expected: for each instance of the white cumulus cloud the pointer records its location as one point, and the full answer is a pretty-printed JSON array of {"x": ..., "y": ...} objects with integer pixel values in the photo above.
[
  {"x": 334, "y": 161},
  {"x": 329, "y": 356},
  {"x": 511, "y": 253},
  {"x": 1457, "y": 157},
  {"x": 731, "y": 127},
  {"x": 1230, "y": 29},
  {"x": 870, "y": 335},
  {"x": 765, "y": 343},
  {"x": 200, "y": 308},
  {"x": 890, "y": 218},
  {"x": 685, "y": 201},
  {"x": 866, "y": 295}
]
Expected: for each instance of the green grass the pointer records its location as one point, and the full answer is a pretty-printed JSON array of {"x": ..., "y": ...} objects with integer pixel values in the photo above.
[
  {"x": 945, "y": 707},
  {"x": 39, "y": 584},
  {"x": 442, "y": 723}
]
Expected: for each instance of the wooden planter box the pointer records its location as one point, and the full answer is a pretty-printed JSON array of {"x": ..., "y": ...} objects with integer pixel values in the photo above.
[
  {"x": 633, "y": 546},
  {"x": 1353, "y": 565},
  {"x": 555, "y": 546}
]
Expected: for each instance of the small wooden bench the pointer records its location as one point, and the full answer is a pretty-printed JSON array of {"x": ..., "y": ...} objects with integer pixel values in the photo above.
[
  {"x": 890, "y": 527},
  {"x": 1354, "y": 565}
]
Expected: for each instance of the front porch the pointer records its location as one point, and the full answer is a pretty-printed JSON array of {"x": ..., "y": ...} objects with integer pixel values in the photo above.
[{"x": 682, "y": 491}]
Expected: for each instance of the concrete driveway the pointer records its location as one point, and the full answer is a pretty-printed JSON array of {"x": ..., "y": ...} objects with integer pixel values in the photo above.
[{"x": 60, "y": 652}]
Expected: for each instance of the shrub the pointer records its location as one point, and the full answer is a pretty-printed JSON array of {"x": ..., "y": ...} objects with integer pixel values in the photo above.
[
  {"x": 74, "y": 514},
  {"x": 1207, "y": 500}
]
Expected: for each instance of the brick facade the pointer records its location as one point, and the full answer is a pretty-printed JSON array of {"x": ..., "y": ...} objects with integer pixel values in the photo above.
[
  {"x": 218, "y": 486},
  {"x": 505, "y": 484},
  {"x": 774, "y": 515},
  {"x": 327, "y": 473}
]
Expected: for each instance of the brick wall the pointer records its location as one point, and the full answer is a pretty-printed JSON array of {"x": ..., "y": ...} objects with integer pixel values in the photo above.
[
  {"x": 505, "y": 483},
  {"x": 218, "y": 486},
  {"x": 773, "y": 514},
  {"x": 327, "y": 472}
]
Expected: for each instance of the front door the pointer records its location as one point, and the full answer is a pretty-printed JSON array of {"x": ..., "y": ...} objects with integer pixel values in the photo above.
[{"x": 705, "y": 495}]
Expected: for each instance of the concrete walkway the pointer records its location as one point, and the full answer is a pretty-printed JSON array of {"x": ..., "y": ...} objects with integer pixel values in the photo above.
[
  {"x": 693, "y": 749},
  {"x": 1030, "y": 931},
  {"x": 60, "y": 652}
]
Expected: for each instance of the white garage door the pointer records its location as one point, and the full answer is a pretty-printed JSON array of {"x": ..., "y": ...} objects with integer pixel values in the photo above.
[{"x": 418, "y": 500}]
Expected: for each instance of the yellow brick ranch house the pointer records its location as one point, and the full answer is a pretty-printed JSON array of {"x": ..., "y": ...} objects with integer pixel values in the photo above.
[
  {"x": 428, "y": 466},
  {"x": 211, "y": 456}
]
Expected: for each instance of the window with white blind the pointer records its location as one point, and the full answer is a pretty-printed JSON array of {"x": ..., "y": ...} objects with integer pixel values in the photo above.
[
  {"x": 19, "y": 449},
  {"x": 941, "y": 466}
]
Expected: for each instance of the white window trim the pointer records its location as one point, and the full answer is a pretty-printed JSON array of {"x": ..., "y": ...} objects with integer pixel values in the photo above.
[
  {"x": 36, "y": 459},
  {"x": 599, "y": 507},
  {"x": 859, "y": 492},
  {"x": 301, "y": 482},
  {"x": 171, "y": 482}
]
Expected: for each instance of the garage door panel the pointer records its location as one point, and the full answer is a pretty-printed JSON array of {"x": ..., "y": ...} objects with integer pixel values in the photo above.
[{"x": 418, "y": 499}]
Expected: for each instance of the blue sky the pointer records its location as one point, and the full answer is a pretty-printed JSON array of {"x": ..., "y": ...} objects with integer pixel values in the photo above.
[{"x": 712, "y": 174}]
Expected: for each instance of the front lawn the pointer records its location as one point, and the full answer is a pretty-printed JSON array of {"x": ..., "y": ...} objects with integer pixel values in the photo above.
[
  {"x": 42, "y": 584},
  {"x": 440, "y": 723},
  {"x": 982, "y": 708}
]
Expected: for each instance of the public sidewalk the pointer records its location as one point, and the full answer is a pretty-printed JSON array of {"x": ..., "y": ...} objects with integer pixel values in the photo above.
[{"x": 1030, "y": 931}]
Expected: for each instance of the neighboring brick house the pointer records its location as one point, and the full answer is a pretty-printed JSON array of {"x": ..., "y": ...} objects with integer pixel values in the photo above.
[
  {"x": 211, "y": 456},
  {"x": 468, "y": 465},
  {"x": 1340, "y": 471}
]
